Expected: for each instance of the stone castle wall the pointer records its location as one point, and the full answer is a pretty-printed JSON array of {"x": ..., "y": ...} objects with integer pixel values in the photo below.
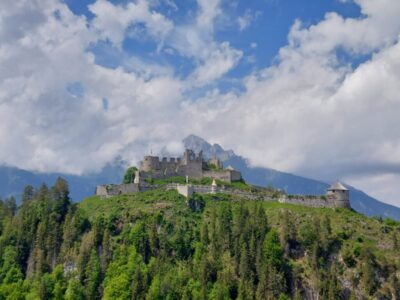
[
  {"x": 114, "y": 190},
  {"x": 224, "y": 175},
  {"x": 318, "y": 202},
  {"x": 191, "y": 165},
  {"x": 328, "y": 201},
  {"x": 110, "y": 190},
  {"x": 207, "y": 189}
]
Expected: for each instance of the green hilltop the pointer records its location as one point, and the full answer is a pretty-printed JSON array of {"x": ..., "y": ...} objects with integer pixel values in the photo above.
[{"x": 160, "y": 245}]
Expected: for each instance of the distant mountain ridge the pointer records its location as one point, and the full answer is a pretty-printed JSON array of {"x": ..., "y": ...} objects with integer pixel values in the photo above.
[{"x": 13, "y": 180}]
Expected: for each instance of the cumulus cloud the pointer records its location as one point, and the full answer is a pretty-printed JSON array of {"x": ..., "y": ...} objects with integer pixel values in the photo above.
[
  {"x": 218, "y": 62},
  {"x": 310, "y": 113},
  {"x": 112, "y": 21},
  {"x": 45, "y": 127},
  {"x": 196, "y": 41}
]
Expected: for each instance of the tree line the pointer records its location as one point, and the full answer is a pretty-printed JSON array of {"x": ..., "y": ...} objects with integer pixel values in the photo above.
[{"x": 51, "y": 249}]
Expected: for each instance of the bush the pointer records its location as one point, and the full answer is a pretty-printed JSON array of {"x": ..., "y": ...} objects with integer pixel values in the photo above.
[
  {"x": 129, "y": 176},
  {"x": 196, "y": 203}
]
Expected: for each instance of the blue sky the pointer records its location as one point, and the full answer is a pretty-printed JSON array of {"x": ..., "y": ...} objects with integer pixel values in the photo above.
[
  {"x": 308, "y": 87},
  {"x": 258, "y": 28}
]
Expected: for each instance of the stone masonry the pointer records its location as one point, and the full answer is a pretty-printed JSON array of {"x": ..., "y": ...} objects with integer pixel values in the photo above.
[
  {"x": 193, "y": 166},
  {"x": 190, "y": 165}
]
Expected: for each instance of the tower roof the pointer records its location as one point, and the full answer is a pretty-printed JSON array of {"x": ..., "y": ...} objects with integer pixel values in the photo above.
[{"x": 337, "y": 186}]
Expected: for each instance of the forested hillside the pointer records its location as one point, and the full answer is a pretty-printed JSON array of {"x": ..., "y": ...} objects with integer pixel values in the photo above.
[{"x": 154, "y": 245}]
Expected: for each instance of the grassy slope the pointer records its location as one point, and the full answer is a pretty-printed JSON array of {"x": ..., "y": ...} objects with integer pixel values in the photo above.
[
  {"x": 360, "y": 230},
  {"x": 356, "y": 231}
]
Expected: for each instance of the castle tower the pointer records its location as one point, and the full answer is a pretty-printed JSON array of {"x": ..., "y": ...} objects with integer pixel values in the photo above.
[
  {"x": 192, "y": 165},
  {"x": 339, "y": 195},
  {"x": 150, "y": 163}
]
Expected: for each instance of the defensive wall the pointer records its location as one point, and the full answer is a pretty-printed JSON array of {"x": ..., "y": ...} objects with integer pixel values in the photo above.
[
  {"x": 189, "y": 189},
  {"x": 330, "y": 200},
  {"x": 109, "y": 190}
]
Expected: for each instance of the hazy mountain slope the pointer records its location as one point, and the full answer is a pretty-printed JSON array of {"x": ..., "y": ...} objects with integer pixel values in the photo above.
[
  {"x": 290, "y": 183},
  {"x": 13, "y": 180}
]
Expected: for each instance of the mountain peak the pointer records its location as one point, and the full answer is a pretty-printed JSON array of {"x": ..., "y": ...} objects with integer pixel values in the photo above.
[{"x": 198, "y": 144}]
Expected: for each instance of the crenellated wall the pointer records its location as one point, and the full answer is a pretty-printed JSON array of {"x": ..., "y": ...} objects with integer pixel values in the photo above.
[{"x": 190, "y": 165}]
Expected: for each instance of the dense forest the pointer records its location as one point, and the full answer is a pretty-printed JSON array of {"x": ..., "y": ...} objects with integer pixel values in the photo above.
[{"x": 159, "y": 245}]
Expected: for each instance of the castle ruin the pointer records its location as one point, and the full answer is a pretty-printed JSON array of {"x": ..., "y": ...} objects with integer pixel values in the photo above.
[
  {"x": 195, "y": 167},
  {"x": 190, "y": 165}
]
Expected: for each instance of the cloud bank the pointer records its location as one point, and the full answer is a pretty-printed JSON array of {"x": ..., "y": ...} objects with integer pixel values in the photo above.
[{"x": 312, "y": 112}]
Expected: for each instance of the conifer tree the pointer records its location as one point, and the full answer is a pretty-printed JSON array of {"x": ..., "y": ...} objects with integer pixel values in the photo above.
[
  {"x": 28, "y": 193},
  {"x": 75, "y": 290},
  {"x": 105, "y": 250},
  {"x": 92, "y": 276}
]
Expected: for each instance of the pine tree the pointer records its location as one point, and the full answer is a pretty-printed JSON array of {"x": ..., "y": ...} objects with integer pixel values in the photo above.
[
  {"x": 105, "y": 250},
  {"x": 204, "y": 234},
  {"x": 10, "y": 205},
  {"x": 92, "y": 276},
  {"x": 139, "y": 282},
  {"x": 28, "y": 193},
  {"x": 75, "y": 290},
  {"x": 225, "y": 226},
  {"x": 60, "y": 195}
]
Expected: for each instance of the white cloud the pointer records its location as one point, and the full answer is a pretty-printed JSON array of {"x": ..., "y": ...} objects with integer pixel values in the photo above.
[
  {"x": 209, "y": 11},
  {"x": 212, "y": 59},
  {"x": 112, "y": 21},
  {"x": 53, "y": 130},
  {"x": 219, "y": 62},
  {"x": 245, "y": 21},
  {"x": 309, "y": 113}
]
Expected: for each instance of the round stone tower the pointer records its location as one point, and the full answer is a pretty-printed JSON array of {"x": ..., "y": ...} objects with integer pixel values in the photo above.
[{"x": 338, "y": 195}]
